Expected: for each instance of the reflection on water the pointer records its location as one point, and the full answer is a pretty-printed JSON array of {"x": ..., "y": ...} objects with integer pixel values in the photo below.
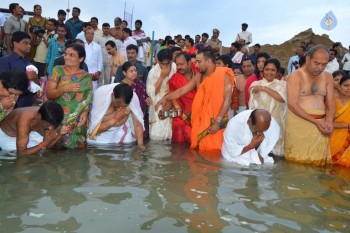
[{"x": 171, "y": 189}]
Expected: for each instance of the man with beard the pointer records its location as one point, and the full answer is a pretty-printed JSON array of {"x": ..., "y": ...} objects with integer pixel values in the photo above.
[
  {"x": 181, "y": 125},
  {"x": 309, "y": 120},
  {"x": 211, "y": 103}
]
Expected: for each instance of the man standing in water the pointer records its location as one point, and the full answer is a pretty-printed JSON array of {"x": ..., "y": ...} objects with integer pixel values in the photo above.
[{"x": 309, "y": 120}]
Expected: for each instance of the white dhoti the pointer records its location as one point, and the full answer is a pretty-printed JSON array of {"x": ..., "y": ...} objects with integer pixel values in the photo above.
[
  {"x": 8, "y": 143},
  {"x": 115, "y": 135}
]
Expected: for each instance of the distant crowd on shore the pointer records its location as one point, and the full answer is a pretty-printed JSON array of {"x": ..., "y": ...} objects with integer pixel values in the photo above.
[{"x": 68, "y": 83}]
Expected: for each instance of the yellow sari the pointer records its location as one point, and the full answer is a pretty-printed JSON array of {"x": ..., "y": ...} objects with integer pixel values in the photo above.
[{"x": 340, "y": 139}]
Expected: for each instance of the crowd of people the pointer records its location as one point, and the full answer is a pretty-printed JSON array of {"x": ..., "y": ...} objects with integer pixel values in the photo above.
[{"x": 111, "y": 86}]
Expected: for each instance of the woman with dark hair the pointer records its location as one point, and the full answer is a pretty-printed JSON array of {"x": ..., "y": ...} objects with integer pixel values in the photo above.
[
  {"x": 12, "y": 84},
  {"x": 71, "y": 87},
  {"x": 35, "y": 24},
  {"x": 259, "y": 68},
  {"x": 340, "y": 139},
  {"x": 337, "y": 76},
  {"x": 130, "y": 73},
  {"x": 270, "y": 94}
]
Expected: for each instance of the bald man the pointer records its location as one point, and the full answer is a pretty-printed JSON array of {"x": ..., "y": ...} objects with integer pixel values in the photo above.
[{"x": 249, "y": 137}]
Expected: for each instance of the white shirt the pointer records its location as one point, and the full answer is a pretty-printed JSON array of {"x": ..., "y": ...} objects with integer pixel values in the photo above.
[
  {"x": 332, "y": 66},
  {"x": 81, "y": 36},
  {"x": 125, "y": 44},
  {"x": 2, "y": 19},
  {"x": 237, "y": 135},
  {"x": 245, "y": 35},
  {"x": 346, "y": 64},
  {"x": 93, "y": 57}
]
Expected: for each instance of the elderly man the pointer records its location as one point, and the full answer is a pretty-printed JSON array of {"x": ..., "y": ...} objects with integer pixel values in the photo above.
[
  {"x": 116, "y": 116},
  {"x": 19, "y": 130},
  {"x": 249, "y": 137},
  {"x": 309, "y": 120}
]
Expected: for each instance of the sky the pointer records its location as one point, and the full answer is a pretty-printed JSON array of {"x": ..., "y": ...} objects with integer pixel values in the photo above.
[{"x": 270, "y": 21}]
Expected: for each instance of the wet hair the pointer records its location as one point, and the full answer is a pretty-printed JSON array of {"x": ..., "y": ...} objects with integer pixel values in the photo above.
[
  {"x": 15, "y": 79},
  {"x": 132, "y": 47},
  {"x": 343, "y": 79},
  {"x": 315, "y": 48},
  {"x": 334, "y": 50},
  {"x": 337, "y": 73},
  {"x": 208, "y": 54},
  {"x": 282, "y": 70},
  {"x": 61, "y": 12},
  {"x": 106, "y": 25},
  {"x": 138, "y": 21},
  {"x": 274, "y": 61},
  {"x": 95, "y": 18},
  {"x": 225, "y": 59},
  {"x": 123, "y": 91},
  {"x": 205, "y": 35},
  {"x": 52, "y": 113},
  {"x": 77, "y": 8},
  {"x": 126, "y": 66},
  {"x": 13, "y": 6},
  {"x": 111, "y": 43},
  {"x": 164, "y": 55},
  {"x": 252, "y": 116},
  {"x": 185, "y": 55},
  {"x": 127, "y": 30},
  {"x": 19, "y": 36}
]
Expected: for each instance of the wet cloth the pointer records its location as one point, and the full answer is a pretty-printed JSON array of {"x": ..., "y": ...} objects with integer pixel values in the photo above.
[
  {"x": 121, "y": 134},
  {"x": 304, "y": 143},
  {"x": 277, "y": 109},
  {"x": 340, "y": 139},
  {"x": 8, "y": 143},
  {"x": 181, "y": 127},
  {"x": 206, "y": 107},
  {"x": 159, "y": 129},
  {"x": 237, "y": 135}
]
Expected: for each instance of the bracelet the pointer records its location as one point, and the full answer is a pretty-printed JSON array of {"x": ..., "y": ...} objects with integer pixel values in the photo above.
[{"x": 42, "y": 145}]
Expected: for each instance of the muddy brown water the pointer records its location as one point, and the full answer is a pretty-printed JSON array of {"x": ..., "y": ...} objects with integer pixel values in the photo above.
[{"x": 170, "y": 189}]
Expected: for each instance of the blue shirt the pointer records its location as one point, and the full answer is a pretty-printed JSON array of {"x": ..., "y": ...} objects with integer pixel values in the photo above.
[
  {"x": 74, "y": 27},
  {"x": 16, "y": 62}
]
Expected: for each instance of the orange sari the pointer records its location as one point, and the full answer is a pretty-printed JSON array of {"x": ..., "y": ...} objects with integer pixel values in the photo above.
[
  {"x": 340, "y": 139},
  {"x": 206, "y": 107}
]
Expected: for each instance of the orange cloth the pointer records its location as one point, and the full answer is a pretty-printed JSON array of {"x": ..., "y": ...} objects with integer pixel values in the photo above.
[
  {"x": 340, "y": 139},
  {"x": 206, "y": 106}
]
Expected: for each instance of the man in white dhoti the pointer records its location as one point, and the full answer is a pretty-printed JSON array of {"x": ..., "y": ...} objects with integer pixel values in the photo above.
[
  {"x": 20, "y": 129},
  {"x": 249, "y": 137},
  {"x": 116, "y": 116}
]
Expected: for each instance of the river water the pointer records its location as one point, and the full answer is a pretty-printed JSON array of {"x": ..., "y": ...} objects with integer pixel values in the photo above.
[{"x": 170, "y": 189}]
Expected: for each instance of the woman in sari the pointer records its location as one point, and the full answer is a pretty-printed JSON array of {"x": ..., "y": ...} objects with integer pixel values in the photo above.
[
  {"x": 337, "y": 75},
  {"x": 340, "y": 139},
  {"x": 270, "y": 94},
  {"x": 71, "y": 87},
  {"x": 130, "y": 73}
]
